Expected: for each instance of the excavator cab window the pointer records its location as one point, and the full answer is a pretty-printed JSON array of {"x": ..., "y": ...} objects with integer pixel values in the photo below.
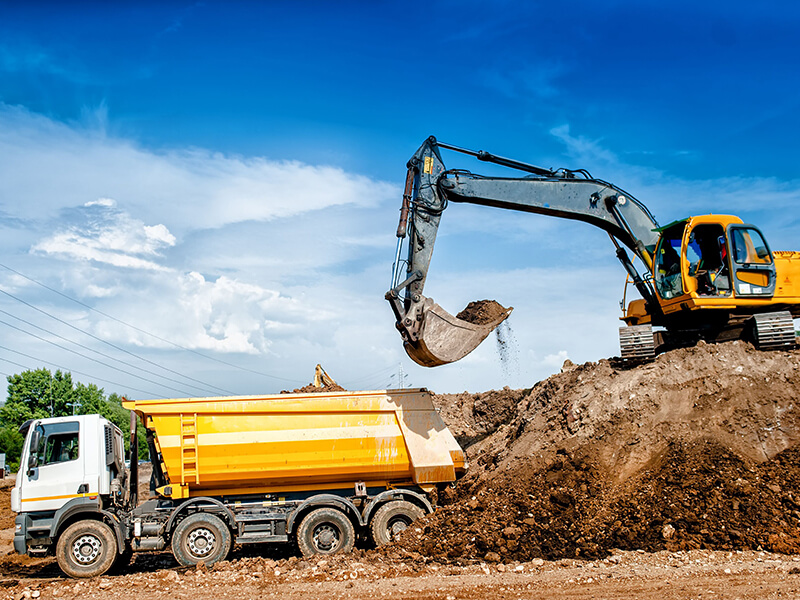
[
  {"x": 707, "y": 256},
  {"x": 667, "y": 265},
  {"x": 749, "y": 247}
]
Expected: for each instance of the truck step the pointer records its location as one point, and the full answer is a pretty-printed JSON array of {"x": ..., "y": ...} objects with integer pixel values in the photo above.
[
  {"x": 257, "y": 538},
  {"x": 636, "y": 342},
  {"x": 774, "y": 330}
]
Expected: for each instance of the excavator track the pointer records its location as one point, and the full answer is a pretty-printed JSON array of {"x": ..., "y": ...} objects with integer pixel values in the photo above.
[
  {"x": 774, "y": 330},
  {"x": 637, "y": 342}
]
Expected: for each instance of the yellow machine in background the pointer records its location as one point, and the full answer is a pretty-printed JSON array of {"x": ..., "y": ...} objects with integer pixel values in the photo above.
[{"x": 321, "y": 378}]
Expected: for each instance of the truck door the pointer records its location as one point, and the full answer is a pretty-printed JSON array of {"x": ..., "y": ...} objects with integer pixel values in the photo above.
[
  {"x": 55, "y": 467},
  {"x": 751, "y": 262}
]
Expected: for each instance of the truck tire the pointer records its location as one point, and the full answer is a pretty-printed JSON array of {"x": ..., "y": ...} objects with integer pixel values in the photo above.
[
  {"x": 325, "y": 531},
  {"x": 201, "y": 537},
  {"x": 391, "y": 519},
  {"x": 86, "y": 549}
]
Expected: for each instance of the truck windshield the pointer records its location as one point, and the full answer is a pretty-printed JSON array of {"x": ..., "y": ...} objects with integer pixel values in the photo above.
[{"x": 59, "y": 443}]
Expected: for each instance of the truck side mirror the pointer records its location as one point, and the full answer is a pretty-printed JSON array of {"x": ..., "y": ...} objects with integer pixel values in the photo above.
[
  {"x": 33, "y": 462},
  {"x": 36, "y": 440},
  {"x": 33, "y": 450}
]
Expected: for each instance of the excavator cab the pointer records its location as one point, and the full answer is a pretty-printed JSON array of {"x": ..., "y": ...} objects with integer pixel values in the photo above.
[{"x": 709, "y": 257}]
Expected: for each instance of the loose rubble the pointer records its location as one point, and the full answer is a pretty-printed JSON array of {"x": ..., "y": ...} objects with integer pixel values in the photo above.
[{"x": 677, "y": 479}]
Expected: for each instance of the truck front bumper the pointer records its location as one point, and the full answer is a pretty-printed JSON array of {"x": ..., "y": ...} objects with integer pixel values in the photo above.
[{"x": 20, "y": 534}]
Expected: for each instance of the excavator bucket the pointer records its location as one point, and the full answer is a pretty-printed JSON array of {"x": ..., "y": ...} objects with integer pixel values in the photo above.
[{"x": 443, "y": 338}]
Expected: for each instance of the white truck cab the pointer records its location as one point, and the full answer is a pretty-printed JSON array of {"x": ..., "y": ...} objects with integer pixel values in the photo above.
[{"x": 68, "y": 465}]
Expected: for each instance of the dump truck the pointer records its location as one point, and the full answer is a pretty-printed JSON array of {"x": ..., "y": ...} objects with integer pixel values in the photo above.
[
  {"x": 318, "y": 469},
  {"x": 706, "y": 277}
]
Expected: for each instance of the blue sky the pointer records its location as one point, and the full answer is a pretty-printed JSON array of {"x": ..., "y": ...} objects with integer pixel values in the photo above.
[{"x": 227, "y": 175}]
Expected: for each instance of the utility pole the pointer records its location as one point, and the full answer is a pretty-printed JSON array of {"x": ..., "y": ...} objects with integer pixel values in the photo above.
[{"x": 401, "y": 376}]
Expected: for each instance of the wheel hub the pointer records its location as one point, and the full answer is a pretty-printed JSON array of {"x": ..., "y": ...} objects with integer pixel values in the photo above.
[
  {"x": 397, "y": 528},
  {"x": 326, "y": 538},
  {"x": 201, "y": 541},
  {"x": 86, "y": 549}
]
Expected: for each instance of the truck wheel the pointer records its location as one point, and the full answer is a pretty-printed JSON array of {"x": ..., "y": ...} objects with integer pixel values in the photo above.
[
  {"x": 86, "y": 549},
  {"x": 392, "y": 519},
  {"x": 201, "y": 538},
  {"x": 325, "y": 531}
]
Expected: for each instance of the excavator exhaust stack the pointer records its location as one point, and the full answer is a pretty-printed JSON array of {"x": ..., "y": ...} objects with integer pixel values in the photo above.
[{"x": 434, "y": 337}]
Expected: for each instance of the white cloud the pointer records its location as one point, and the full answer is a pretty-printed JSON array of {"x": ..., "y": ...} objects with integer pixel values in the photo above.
[
  {"x": 763, "y": 201},
  {"x": 184, "y": 189},
  {"x": 100, "y": 232},
  {"x": 275, "y": 266},
  {"x": 109, "y": 202},
  {"x": 555, "y": 360}
]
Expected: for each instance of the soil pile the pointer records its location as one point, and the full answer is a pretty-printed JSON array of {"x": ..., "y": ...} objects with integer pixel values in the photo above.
[
  {"x": 482, "y": 312},
  {"x": 694, "y": 450},
  {"x": 312, "y": 389},
  {"x": 7, "y": 516}
]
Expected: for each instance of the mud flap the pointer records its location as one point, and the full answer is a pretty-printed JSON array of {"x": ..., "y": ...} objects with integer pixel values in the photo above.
[{"x": 442, "y": 338}]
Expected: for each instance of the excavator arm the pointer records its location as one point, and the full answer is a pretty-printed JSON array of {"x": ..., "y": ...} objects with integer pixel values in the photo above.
[{"x": 431, "y": 335}]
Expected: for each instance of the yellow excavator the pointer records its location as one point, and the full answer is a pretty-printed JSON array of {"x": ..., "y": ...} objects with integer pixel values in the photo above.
[{"x": 709, "y": 277}]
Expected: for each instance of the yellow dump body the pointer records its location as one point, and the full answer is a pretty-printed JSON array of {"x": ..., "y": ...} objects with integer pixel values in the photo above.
[{"x": 296, "y": 442}]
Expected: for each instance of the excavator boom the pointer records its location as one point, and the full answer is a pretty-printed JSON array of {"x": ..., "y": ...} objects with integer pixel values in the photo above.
[{"x": 431, "y": 335}]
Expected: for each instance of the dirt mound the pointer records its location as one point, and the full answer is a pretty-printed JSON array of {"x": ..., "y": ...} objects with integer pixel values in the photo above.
[
  {"x": 473, "y": 417},
  {"x": 482, "y": 312},
  {"x": 694, "y": 450},
  {"x": 7, "y": 516},
  {"x": 312, "y": 389}
]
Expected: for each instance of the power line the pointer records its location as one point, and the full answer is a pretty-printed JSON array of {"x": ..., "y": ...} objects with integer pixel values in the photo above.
[
  {"x": 89, "y": 358},
  {"x": 370, "y": 375},
  {"x": 153, "y": 335},
  {"x": 108, "y": 356},
  {"x": 28, "y": 304},
  {"x": 27, "y": 368}
]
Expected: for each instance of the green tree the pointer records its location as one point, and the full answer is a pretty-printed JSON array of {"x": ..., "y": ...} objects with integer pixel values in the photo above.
[{"x": 39, "y": 394}]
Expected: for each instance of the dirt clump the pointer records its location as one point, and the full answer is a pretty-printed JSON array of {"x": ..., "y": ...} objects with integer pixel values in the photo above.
[
  {"x": 473, "y": 417},
  {"x": 7, "y": 515},
  {"x": 312, "y": 389},
  {"x": 482, "y": 312},
  {"x": 696, "y": 450}
]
